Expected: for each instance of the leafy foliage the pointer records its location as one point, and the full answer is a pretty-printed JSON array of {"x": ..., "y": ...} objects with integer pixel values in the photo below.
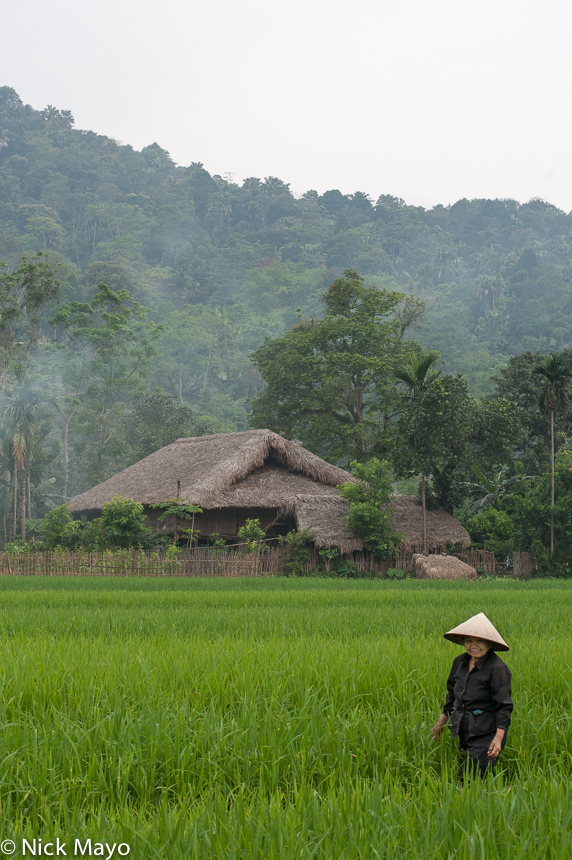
[
  {"x": 57, "y": 528},
  {"x": 433, "y": 435},
  {"x": 492, "y": 529},
  {"x": 555, "y": 384},
  {"x": 531, "y": 510},
  {"x": 295, "y": 545},
  {"x": 329, "y": 381},
  {"x": 123, "y": 522},
  {"x": 491, "y": 492},
  {"x": 157, "y": 419},
  {"x": 253, "y": 535},
  {"x": 369, "y": 511},
  {"x": 177, "y": 508}
]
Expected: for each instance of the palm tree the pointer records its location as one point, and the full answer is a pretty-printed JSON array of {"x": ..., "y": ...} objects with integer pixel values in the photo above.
[
  {"x": 553, "y": 395},
  {"x": 417, "y": 376},
  {"x": 20, "y": 413}
]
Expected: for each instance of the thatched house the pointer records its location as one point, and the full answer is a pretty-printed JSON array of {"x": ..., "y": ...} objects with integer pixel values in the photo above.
[
  {"x": 442, "y": 528},
  {"x": 256, "y": 474},
  {"x": 326, "y": 515},
  {"x": 232, "y": 477}
]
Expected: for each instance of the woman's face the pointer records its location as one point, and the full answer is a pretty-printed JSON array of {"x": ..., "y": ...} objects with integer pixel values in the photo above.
[{"x": 477, "y": 648}]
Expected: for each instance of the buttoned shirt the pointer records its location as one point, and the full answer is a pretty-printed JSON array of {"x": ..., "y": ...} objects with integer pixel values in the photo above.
[{"x": 486, "y": 689}]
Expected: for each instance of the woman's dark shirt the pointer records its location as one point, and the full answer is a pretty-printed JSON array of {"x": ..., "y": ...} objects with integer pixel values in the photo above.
[{"x": 486, "y": 689}]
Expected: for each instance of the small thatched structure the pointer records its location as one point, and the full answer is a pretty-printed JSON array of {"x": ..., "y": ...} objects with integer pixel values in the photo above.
[
  {"x": 325, "y": 516},
  {"x": 442, "y": 528},
  {"x": 442, "y": 567},
  {"x": 233, "y": 477}
]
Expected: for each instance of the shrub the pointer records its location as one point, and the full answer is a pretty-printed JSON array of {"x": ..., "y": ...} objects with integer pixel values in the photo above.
[
  {"x": 94, "y": 536},
  {"x": 123, "y": 521},
  {"x": 296, "y": 554},
  {"x": 492, "y": 529},
  {"x": 58, "y": 528},
  {"x": 369, "y": 514},
  {"x": 253, "y": 535}
]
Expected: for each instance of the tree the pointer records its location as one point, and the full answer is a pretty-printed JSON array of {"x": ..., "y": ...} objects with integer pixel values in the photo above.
[
  {"x": 329, "y": 381},
  {"x": 518, "y": 384},
  {"x": 535, "y": 518},
  {"x": 439, "y": 419},
  {"x": 107, "y": 344},
  {"x": 493, "y": 530},
  {"x": 554, "y": 394},
  {"x": 23, "y": 412},
  {"x": 491, "y": 293},
  {"x": 253, "y": 535},
  {"x": 157, "y": 420},
  {"x": 26, "y": 294},
  {"x": 491, "y": 492},
  {"x": 180, "y": 510},
  {"x": 417, "y": 376},
  {"x": 370, "y": 510}
]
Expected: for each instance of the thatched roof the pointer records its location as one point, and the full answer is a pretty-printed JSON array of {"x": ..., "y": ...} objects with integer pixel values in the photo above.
[
  {"x": 325, "y": 516},
  {"x": 407, "y": 519},
  {"x": 260, "y": 469},
  {"x": 254, "y": 469}
]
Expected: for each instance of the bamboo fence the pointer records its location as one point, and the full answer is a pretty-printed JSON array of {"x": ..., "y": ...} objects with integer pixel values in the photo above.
[
  {"x": 193, "y": 562},
  {"x": 205, "y": 561}
]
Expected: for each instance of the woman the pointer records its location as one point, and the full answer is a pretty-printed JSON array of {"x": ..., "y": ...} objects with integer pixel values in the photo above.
[{"x": 478, "y": 695}]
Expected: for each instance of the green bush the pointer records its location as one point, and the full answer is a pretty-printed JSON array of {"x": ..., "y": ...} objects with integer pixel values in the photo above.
[
  {"x": 123, "y": 522},
  {"x": 295, "y": 545},
  {"x": 58, "y": 529},
  {"x": 369, "y": 515},
  {"x": 253, "y": 535},
  {"x": 493, "y": 530}
]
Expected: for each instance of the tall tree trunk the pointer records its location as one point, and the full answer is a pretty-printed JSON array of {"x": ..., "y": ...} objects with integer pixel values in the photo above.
[
  {"x": 23, "y": 506},
  {"x": 29, "y": 493},
  {"x": 424, "y": 508},
  {"x": 66, "y": 458},
  {"x": 100, "y": 445},
  {"x": 15, "y": 500},
  {"x": 552, "y": 484}
]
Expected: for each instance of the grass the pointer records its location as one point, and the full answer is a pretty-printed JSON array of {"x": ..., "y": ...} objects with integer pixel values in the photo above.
[{"x": 275, "y": 718}]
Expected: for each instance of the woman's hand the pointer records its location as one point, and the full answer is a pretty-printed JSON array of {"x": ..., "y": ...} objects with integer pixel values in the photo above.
[
  {"x": 495, "y": 747},
  {"x": 437, "y": 729}
]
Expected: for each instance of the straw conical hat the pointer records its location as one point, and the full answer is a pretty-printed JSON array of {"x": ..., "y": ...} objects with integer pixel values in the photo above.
[{"x": 479, "y": 626}]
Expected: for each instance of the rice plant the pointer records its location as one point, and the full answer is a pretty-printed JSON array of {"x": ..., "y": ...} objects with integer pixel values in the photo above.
[{"x": 275, "y": 718}]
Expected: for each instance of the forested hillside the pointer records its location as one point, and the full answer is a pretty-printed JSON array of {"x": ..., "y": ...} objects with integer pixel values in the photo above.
[{"x": 222, "y": 266}]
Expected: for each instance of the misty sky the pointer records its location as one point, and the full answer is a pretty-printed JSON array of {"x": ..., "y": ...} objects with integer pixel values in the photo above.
[{"x": 429, "y": 100}]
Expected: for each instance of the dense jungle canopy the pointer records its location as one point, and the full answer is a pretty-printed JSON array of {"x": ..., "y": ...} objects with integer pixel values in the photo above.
[{"x": 199, "y": 270}]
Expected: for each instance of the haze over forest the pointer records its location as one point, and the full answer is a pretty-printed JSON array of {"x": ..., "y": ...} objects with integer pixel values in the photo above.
[{"x": 222, "y": 266}]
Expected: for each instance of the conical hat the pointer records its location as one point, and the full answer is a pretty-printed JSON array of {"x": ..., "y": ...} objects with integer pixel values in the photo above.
[{"x": 479, "y": 626}]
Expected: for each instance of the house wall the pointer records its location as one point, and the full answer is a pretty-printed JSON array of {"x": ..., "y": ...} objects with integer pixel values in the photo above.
[{"x": 223, "y": 521}]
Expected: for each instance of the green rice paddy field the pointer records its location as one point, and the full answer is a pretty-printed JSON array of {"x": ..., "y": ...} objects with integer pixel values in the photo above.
[{"x": 274, "y": 718}]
